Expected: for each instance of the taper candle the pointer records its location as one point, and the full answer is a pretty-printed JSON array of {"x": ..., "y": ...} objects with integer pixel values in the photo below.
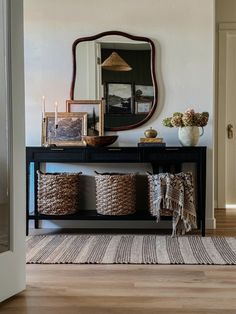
[
  {"x": 56, "y": 114},
  {"x": 43, "y": 107}
]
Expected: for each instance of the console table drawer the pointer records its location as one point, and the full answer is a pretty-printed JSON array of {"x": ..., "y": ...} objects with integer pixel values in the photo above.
[
  {"x": 60, "y": 156},
  {"x": 167, "y": 155},
  {"x": 115, "y": 154}
]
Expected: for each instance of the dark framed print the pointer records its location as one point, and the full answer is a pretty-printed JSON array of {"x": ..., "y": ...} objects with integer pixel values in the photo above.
[
  {"x": 119, "y": 98},
  {"x": 95, "y": 114},
  {"x": 67, "y": 130}
]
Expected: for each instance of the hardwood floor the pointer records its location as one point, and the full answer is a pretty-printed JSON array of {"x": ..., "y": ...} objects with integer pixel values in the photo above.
[
  {"x": 139, "y": 289},
  {"x": 225, "y": 222}
]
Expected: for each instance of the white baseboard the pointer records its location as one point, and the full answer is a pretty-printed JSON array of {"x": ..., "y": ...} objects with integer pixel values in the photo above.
[{"x": 210, "y": 223}]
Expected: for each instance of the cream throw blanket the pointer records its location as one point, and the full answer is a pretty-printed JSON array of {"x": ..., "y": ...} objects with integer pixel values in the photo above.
[{"x": 173, "y": 194}]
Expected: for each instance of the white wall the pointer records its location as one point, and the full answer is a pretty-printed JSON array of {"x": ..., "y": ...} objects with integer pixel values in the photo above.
[{"x": 183, "y": 31}]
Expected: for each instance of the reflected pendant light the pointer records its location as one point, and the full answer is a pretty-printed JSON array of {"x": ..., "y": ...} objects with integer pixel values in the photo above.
[{"x": 115, "y": 63}]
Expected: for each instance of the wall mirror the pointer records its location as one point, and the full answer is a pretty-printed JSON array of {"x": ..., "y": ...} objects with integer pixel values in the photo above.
[{"x": 120, "y": 68}]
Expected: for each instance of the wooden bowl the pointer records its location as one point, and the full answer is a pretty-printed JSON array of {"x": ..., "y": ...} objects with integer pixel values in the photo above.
[{"x": 100, "y": 141}]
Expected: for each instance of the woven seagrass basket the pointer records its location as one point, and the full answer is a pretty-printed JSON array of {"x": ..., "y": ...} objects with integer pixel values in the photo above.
[
  {"x": 58, "y": 193},
  {"x": 115, "y": 194}
]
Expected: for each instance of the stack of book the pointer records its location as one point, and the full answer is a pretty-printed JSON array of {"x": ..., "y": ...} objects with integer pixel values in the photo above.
[{"x": 151, "y": 142}]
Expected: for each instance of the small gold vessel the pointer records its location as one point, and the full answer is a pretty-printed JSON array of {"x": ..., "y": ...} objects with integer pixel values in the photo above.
[{"x": 150, "y": 133}]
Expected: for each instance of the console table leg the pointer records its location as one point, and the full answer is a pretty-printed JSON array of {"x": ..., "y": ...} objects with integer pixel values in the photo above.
[
  {"x": 27, "y": 226},
  {"x": 36, "y": 216},
  {"x": 203, "y": 228},
  {"x": 201, "y": 190},
  {"x": 27, "y": 193},
  {"x": 203, "y": 173}
]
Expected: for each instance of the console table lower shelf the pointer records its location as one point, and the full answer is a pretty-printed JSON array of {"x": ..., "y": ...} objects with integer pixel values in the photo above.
[
  {"x": 93, "y": 215},
  {"x": 162, "y": 159}
]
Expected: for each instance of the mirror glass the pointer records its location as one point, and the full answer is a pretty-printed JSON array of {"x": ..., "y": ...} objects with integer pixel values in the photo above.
[{"x": 120, "y": 70}]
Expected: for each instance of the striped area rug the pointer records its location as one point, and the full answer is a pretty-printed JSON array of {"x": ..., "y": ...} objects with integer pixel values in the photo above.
[{"x": 130, "y": 249}]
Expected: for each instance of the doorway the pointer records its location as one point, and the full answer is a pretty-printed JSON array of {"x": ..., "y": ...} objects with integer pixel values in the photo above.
[
  {"x": 227, "y": 116},
  {"x": 12, "y": 152}
]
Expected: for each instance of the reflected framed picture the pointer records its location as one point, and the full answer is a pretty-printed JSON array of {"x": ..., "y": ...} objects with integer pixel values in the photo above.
[
  {"x": 94, "y": 111},
  {"x": 144, "y": 93},
  {"x": 143, "y": 107},
  {"x": 119, "y": 98},
  {"x": 67, "y": 131}
]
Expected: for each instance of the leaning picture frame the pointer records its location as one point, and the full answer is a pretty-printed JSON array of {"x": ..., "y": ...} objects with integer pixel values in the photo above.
[
  {"x": 95, "y": 114},
  {"x": 68, "y": 130}
]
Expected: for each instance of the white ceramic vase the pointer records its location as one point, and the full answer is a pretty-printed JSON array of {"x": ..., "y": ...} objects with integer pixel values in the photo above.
[{"x": 189, "y": 135}]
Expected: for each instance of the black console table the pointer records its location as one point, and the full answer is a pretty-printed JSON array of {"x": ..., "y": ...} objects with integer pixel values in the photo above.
[{"x": 162, "y": 159}]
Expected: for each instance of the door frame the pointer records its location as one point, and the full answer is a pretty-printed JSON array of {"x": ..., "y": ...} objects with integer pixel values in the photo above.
[
  {"x": 223, "y": 30},
  {"x": 12, "y": 262}
]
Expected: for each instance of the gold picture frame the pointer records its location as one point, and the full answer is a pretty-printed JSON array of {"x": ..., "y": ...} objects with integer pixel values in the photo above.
[
  {"x": 69, "y": 130},
  {"x": 95, "y": 114}
]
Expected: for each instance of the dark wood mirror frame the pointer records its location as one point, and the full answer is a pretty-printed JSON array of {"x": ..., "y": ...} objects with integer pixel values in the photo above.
[{"x": 152, "y": 65}]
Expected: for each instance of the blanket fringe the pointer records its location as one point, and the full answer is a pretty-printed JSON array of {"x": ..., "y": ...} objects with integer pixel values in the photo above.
[{"x": 181, "y": 205}]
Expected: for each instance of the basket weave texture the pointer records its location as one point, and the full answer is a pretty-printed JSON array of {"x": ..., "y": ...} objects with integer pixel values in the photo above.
[
  {"x": 152, "y": 197},
  {"x": 115, "y": 194},
  {"x": 58, "y": 193}
]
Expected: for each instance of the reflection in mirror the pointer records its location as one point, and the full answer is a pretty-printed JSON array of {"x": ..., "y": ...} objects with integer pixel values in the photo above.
[{"x": 119, "y": 69}]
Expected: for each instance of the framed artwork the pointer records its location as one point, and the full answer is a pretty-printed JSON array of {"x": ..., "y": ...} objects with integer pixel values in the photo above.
[
  {"x": 71, "y": 127},
  {"x": 119, "y": 98},
  {"x": 95, "y": 114},
  {"x": 143, "y": 107},
  {"x": 144, "y": 93}
]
